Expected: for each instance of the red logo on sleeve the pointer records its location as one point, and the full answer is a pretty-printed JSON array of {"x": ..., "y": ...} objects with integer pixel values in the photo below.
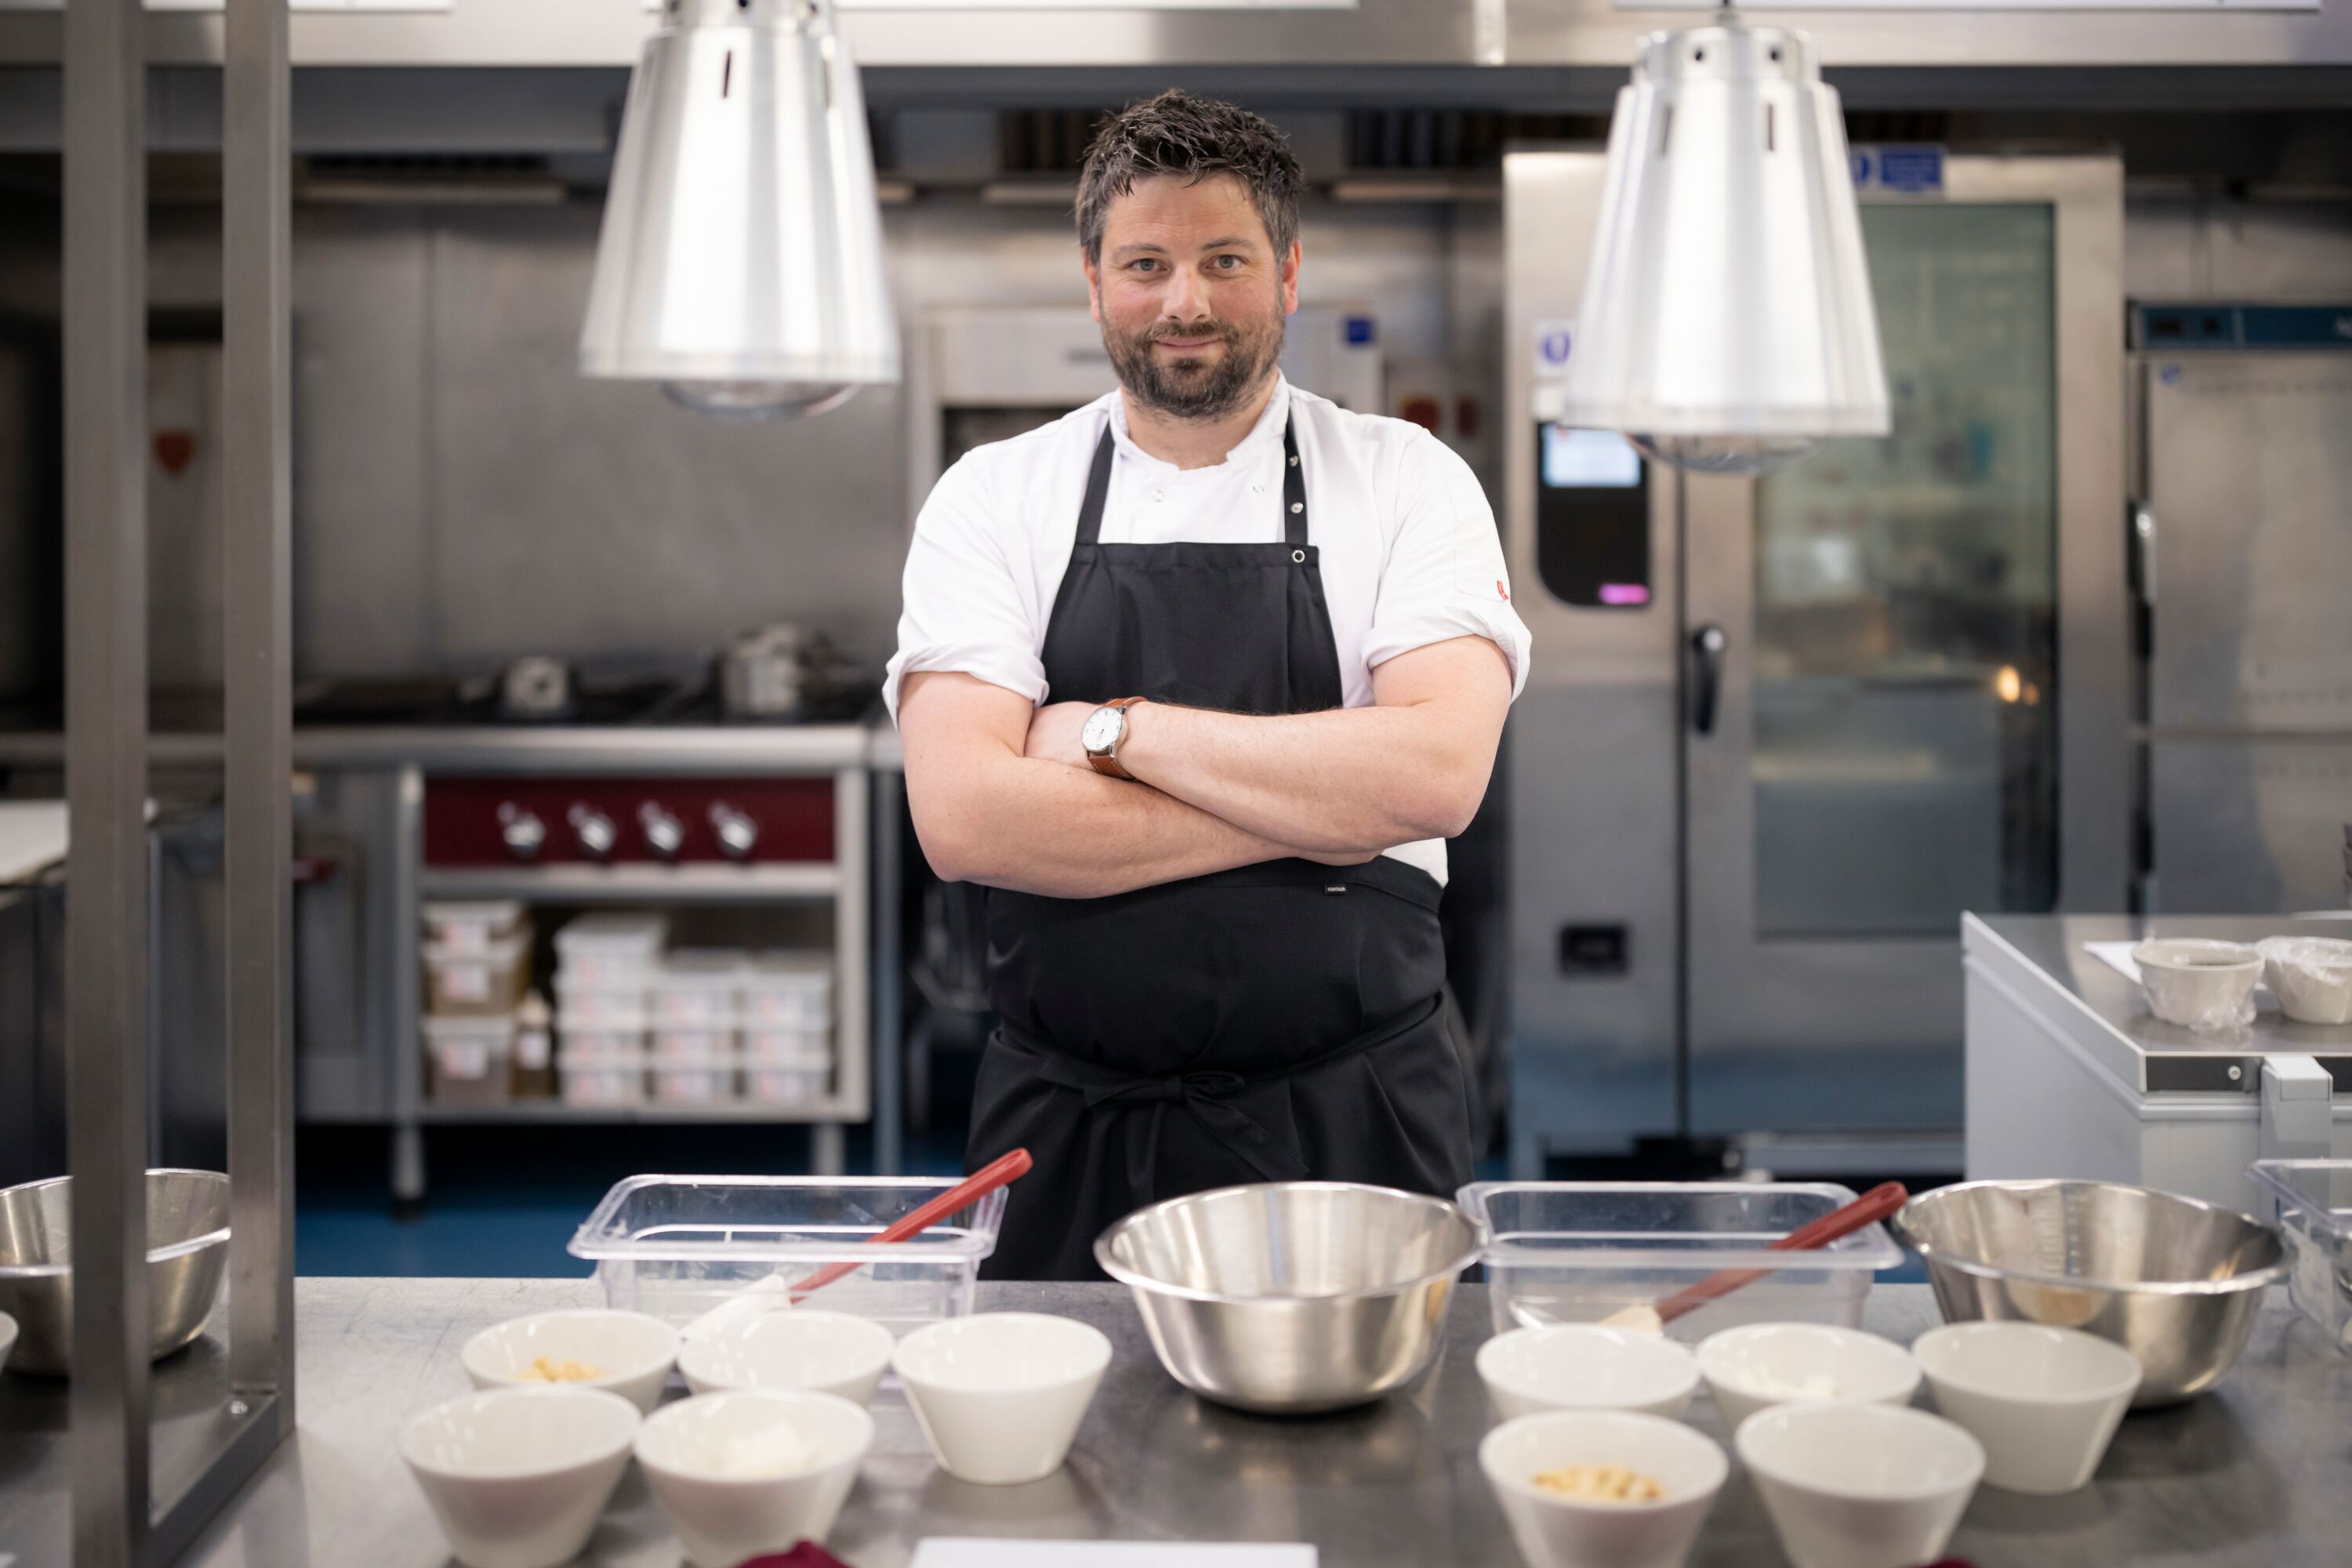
[{"x": 1502, "y": 593}]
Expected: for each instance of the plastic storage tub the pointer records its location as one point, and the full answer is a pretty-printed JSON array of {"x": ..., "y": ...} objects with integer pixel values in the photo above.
[
  {"x": 471, "y": 925},
  {"x": 477, "y": 982},
  {"x": 788, "y": 1047},
  {"x": 694, "y": 1080},
  {"x": 696, "y": 989},
  {"x": 676, "y": 1246},
  {"x": 789, "y": 991},
  {"x": 2314, "y": 1212},
  {"x": 765, "y": 1083},
  {"x": 599, "y": 1003},
  {"x": 671, "y": 1044},
  {"x": 470, "y": 1060},
  {"x": 1562, "y": 1252},
  {"x": 618, "y": 948},
  {"x": 605, "y": 1078}
]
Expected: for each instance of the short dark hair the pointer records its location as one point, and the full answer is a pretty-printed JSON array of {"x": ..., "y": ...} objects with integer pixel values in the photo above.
[{"x": 1177, "y": 133}]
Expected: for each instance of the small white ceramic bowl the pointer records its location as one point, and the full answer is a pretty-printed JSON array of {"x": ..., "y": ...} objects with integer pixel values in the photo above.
[
  {"x": 2045, "y": 1402},
  {"x": 2203, "y": 984},
  {"x": 1000, "y": 1395},
  {"x": 632, "y": 1351},
  {"x": 714, "y": 1468},
  {"x": 1585, "y": 1367},
  {"x": 2311, "y": 977},
  {"x": 1758, "y": 1365},
  {"x": 826, "y": 1352},
  {"x": 1555, "y": 1532},
  {"x": 516, "y": 1475},
  {"x": 1860, "y": 1485}
]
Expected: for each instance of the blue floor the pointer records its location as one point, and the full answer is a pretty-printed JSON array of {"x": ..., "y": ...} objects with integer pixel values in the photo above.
[{"x": 503, "y": 1201}]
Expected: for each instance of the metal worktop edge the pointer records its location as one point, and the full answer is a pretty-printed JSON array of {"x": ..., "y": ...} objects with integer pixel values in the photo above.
[{"x": 726, "y": 749}]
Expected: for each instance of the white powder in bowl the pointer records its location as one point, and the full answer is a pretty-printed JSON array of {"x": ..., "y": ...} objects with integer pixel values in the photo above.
[{"x": 770, "y": 1451}]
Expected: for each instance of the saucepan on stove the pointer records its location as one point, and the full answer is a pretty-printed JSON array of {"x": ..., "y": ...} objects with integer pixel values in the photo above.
[{"x": 1293, "y": 1298}]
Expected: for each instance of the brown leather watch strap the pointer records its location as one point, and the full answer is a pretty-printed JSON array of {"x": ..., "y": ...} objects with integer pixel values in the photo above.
[{"x": 1108, "y": 764}]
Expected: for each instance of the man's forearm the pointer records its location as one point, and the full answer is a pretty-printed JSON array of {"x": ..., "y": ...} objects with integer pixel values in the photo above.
[
  {"x": 1037, "y": 826},
  {"x": 1341, "y": 779}
]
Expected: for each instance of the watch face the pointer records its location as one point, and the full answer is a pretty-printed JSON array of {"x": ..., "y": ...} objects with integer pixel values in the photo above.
[{"x": 1101, "y": 730}]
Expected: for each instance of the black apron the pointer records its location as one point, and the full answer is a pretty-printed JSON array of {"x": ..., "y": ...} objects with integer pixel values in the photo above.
[{"x": 1274, "y": 1022}]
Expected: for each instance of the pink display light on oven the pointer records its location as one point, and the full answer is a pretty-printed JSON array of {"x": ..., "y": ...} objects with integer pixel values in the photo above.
[{"x": 1625, "y": 593}]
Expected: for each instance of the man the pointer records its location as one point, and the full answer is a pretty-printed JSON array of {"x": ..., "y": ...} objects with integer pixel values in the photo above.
[{"x": 1196, "y": 680}]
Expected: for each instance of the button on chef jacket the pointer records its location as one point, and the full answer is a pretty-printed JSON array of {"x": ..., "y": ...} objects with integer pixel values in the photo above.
[{"x": 1408, "y": 548}]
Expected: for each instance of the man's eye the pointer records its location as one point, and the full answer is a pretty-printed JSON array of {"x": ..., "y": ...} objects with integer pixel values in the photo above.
[
  {"x": 1146, "y": 265},
  {"x": 1229, "y": 262}
]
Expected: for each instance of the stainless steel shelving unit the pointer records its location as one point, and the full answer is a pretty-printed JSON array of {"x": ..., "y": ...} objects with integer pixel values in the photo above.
[{"x": 152, "y": 1459}]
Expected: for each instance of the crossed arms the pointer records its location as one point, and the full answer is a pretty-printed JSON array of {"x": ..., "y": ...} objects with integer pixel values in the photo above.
[{"x": 1001, "y": 793}]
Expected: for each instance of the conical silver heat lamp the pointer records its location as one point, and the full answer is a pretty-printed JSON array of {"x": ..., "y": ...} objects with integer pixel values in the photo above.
[
  {"x": 741, "y": 259},
  {"x": 1727, "y": 323}
]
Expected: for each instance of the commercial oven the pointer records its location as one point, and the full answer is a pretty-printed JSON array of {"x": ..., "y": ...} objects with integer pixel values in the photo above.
[
  {"x": 1781, "y": 732},
  {"x": 2244, "y": 575}
]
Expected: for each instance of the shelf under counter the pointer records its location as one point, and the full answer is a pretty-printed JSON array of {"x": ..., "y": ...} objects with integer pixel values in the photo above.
[
  {"x": 833, "y": 1110},
  {"x": 702, "y": 884}
]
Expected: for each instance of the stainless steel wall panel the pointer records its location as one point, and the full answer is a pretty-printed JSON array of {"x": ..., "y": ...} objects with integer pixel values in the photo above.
[
  {"x": 2247, "y": 825},
  {"x": 2249, "y": 479}
]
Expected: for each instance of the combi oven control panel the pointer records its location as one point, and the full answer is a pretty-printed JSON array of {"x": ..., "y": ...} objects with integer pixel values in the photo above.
[{"x": 508, "y": 821}]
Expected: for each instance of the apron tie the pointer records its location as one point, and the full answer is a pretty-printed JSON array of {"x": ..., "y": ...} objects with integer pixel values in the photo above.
[{"x": 1209, "y": 1094}]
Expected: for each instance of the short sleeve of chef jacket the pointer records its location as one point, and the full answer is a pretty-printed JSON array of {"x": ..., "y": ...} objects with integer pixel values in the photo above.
[{"x": 978, "y": 586}]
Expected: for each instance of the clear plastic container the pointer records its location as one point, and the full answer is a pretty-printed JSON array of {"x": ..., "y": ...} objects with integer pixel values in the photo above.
[
  {"x": 469, "y": 1060},
  {"x": 477, "y": 982},
  {"x": 600, "y": 1003},
  {"x": 579, "y": 1043},
  {"x": 788, "y": 1047},
  {"x": 676, "y": 1246},
  {"x": 672, "y": 1044},
  {"x": 604, "y": 949},
  {"x": 788, "y": 991},
  {"x": 1578, "y": 1251},
  {"x": 601, "y": 1080},
  {"x": 471, "y": 925},
  {"x": 705, "y": 1080},
  {"x": 2314, "y": 1212},
  {"x": 696, "y": 988},
  {"x": 764, "y": 1083}
]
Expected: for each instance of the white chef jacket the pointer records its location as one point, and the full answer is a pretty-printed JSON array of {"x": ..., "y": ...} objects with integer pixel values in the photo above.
[{"x": 1407, "y": 543}]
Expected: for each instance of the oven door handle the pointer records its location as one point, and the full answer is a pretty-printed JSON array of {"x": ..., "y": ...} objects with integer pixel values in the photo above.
[{"x": 1707, "y": 681}]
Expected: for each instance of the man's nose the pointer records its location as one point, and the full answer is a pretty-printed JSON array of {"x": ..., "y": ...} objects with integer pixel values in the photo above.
[{"x": 1186, "y": 300}]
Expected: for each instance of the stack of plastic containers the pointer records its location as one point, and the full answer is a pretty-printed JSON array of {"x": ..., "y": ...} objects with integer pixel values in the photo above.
[
  {"x": 477, "y": 964},
  {"x": 604, "y": 974},
  {"x": 693, "y": 1008},
  {"x": 787, "y": 1027}
]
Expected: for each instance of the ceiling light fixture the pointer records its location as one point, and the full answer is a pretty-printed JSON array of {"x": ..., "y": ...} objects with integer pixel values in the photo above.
[
  {"x": 741, "y": 259},
  {"x": 1727, "y": 325}
]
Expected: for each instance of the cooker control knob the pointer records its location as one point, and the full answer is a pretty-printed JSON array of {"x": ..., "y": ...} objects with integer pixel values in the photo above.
[
  {"x": 737, "y": 833},
  {"x": 524, "y": 833},
  {"x": 593, "y": 829},
  {"x": 665, "y": 834}
]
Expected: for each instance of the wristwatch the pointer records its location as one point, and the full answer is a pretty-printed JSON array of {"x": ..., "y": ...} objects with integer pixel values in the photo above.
[{"x": 1104, "y": 727}]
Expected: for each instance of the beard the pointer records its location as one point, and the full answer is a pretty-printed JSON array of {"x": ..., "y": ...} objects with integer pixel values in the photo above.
[{"x": 1195, "y": 388}]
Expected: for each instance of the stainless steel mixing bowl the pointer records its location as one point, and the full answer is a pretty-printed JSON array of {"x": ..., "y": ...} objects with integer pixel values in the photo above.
[
  {"x": 1293, "y": 1297},
  {"x": 187, "y": 1248},
  {"x": 2174, "y": 1281}
]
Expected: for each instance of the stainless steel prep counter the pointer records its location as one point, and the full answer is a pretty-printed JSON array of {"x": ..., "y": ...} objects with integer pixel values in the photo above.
[
  {"x": 2257, "y": 1473},
  {"x": 2070, "y": 1075}
]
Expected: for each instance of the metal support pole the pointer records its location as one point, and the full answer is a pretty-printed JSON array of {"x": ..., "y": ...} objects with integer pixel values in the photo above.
[
  {"x": 106, "y": 772},
  {"x": 257, "y": 508}
]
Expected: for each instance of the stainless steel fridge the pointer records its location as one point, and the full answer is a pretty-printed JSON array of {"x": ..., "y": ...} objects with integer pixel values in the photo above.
[
  {"x": 2243, "y": 557},
  {"x": 1781, "y": 732}
]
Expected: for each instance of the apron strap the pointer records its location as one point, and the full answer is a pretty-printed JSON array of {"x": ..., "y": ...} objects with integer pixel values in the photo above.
[
  {"x": 1293, "y": 490},
  {"x": 1209, "y": 1094},
  {"x": 1097, "y": 490}
]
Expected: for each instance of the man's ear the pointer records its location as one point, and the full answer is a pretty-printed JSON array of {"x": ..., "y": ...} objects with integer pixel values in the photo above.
[
  {"x": 1290, "y": 279},
  {"x": 1094, "y": 284}
]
